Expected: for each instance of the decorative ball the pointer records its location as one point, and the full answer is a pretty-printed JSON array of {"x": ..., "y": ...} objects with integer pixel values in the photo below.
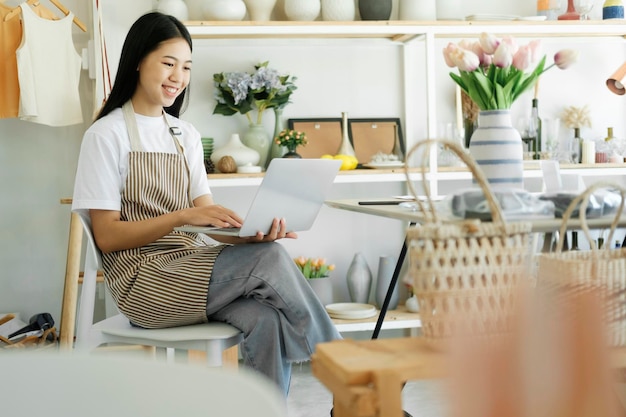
[{"x": 227, "y": 164}]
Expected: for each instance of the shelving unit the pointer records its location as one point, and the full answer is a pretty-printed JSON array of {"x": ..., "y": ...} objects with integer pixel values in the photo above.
[{"x": 405, "y": 34}]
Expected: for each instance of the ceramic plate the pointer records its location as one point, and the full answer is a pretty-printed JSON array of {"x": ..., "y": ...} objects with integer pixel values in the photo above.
[
  {"x": 350, "y": 310},
  {"x": 532, "y": 18},
  {"x": 485, "y": 17},
  {"x": 382, "y": 165}
]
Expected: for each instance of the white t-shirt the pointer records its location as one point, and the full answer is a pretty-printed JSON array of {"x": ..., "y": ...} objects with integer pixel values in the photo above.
[{"x": 103, "y": 160}]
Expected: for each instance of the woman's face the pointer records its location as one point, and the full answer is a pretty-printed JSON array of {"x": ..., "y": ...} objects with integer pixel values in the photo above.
[{"x": 163, "y": 75}]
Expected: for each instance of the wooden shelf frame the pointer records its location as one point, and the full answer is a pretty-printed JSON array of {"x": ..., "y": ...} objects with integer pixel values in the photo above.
[{"x": 400, "y": 31}]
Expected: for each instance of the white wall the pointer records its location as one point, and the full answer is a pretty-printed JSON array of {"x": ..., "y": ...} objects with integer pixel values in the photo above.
[{"x": 37, "y": 163}]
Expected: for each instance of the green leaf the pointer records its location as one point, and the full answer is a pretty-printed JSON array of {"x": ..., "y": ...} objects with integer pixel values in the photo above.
[
  {"x": 306, "y": 269},
  {"x": 457, "y": 79}
]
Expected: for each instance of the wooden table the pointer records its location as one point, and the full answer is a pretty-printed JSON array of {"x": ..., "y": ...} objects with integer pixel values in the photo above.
[
  {"x": 366, "y": 377},
  {"x": 539, "y": 225}
]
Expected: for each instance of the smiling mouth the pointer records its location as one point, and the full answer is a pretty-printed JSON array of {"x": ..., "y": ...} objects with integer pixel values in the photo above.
[{"x": 171, "y": 90}]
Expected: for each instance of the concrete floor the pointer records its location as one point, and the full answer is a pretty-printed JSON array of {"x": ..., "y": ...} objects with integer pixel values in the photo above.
[{"x": 309, "y": 398}]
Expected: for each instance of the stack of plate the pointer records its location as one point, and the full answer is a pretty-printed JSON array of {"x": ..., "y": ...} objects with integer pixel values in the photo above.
[
  {"x": 207, "y": 147},
  {"x": 350, "y": 311}
]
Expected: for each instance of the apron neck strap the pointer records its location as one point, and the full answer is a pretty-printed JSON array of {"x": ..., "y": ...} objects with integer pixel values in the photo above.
[
  {"x": 133, "y": 130},
  {"x": 131, "y": 125}
]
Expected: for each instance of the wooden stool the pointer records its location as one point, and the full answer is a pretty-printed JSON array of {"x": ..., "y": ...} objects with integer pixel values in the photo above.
[{"x": 366, "y": 377}]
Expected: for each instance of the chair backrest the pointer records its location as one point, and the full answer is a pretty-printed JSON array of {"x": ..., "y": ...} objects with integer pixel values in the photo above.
[{"x": 92, "y": 262}]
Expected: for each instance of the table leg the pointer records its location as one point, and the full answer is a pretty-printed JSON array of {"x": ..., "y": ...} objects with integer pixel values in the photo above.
[{"x": 392, "y": 285}]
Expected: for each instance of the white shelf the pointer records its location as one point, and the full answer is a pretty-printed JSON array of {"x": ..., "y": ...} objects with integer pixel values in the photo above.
[
  {"x": 443, "y": 174},
  {"x": 404, "y": 33},
  {"x": 394, "y": 319},
  {"x": 400, "y": 31}
]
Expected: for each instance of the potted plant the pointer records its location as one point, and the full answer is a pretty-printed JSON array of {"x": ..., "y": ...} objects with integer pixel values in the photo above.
[
  {"x": 243, "y": 92},
  {"x": 317, "y": 273},
  {"x": 494, "y": 72},
  {"x": 291, "y": 139}
]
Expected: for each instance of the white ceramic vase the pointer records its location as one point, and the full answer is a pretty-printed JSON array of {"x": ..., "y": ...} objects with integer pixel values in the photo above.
[
  {"x": 417, "y": 10},
  {"x": 260, "y": 10},
  {"x": 497, "y": 148},
  {"x": 176, "y": 8},
  {"x": 323, "y": 288},
  {"x": 240, "y": 152},
  {"x": 450, "y": 10},
  {"x": 386, "y": 266},
  {"x": 302, "y": 10},
  {"x": 195, "y": 9},
  {"x": 338, "y": 10},
  {"x": 359, "y": 279},
  {"x": 229, "y": 10}
]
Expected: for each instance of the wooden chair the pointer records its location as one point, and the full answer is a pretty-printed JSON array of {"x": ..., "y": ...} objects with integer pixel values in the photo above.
[{"x": 218, "y": 341}]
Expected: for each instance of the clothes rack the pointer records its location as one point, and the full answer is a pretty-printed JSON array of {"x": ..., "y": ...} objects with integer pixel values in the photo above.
[{"x": 36, "y": 3}]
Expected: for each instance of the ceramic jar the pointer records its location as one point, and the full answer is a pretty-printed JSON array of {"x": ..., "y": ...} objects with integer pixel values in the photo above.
[
  {"x": 257, "y": 138},
  {"x": 240, "y": 153},
  {"x": 277, "y": 151},
  {"x": 195, "y": 9},
  {"x": 176, "y": 8},
  {"x": 449, "y": 10},
  {"x": 230, "y": 10},
  {"x": 497, "y": 148},
  {"x": 302, "y": 10},
  {"x": 375, "y": 9},
  {"x": 417, "y": 10},
  {"x": 338, "y": 10},
  {"x": 260, "y": 10},
  {"x": 323, "y": 288}
]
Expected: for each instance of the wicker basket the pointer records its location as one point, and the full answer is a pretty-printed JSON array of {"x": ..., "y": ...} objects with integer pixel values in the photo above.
[
  {"x": 466, "y": 273},
  {"x": 566, "y": 274}
]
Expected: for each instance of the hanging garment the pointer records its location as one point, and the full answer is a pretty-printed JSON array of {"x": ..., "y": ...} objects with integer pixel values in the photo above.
[
  {"x": 10, "y": 36},
  {"x": 48, "y": 69}
]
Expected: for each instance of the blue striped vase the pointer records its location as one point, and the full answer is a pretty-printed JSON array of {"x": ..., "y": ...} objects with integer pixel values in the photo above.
[{"x": 497, "y": 148}]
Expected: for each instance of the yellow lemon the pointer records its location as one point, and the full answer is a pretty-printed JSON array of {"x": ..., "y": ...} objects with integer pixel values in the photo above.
[
  {"x": 326, "y": 156},
  {"x": 348, "y": 162}
]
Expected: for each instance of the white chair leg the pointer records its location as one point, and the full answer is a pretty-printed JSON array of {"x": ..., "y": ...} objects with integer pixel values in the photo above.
[{"x": 214, "y": 354}]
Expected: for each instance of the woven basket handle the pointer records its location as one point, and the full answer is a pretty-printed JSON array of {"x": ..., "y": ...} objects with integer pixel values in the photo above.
[
  {"x": 431, "y": 213},
  {"x": 583, "y": 200}
]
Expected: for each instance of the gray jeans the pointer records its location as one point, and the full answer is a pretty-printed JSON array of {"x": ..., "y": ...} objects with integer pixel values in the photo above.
[{"x": 258, "y": 288}]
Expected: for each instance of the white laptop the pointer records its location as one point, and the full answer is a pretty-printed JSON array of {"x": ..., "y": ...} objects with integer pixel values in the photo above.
[{"x": 293, "y": 189}]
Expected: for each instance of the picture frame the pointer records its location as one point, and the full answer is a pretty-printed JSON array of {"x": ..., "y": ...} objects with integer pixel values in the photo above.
[
  {"x": 323, "y": 135},
  {"x": 370, "y": 136}
]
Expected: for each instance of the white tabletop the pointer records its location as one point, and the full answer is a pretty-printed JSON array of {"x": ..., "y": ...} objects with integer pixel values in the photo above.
[{"x": 408, "y": 215}]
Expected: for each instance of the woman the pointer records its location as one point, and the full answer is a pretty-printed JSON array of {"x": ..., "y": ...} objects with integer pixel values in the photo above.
[{"x": 141, "y": 174}]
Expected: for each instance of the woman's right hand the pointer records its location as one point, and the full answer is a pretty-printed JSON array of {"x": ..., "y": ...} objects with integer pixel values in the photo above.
[{"x": 211, "y": 215}]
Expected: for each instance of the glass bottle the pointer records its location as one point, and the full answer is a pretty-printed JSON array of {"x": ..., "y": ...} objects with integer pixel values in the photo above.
[
  {"x": 574, "y": 241},
  {"x": 536, "y": 125},
  {"x": 575, "y": 147},
  {"x": 548, "y": 8},
  {"x": 346, "y": 146}
]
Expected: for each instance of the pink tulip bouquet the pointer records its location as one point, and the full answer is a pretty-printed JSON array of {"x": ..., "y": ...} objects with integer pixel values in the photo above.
[{"x": 492, "y": 71}]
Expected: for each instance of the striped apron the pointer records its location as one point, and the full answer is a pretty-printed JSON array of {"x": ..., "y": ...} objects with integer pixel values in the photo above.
[{"x": 164, "y": 283}]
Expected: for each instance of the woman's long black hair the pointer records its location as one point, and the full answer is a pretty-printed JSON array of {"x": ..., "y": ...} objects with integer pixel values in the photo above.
[{"x": 144, "y": 36}]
